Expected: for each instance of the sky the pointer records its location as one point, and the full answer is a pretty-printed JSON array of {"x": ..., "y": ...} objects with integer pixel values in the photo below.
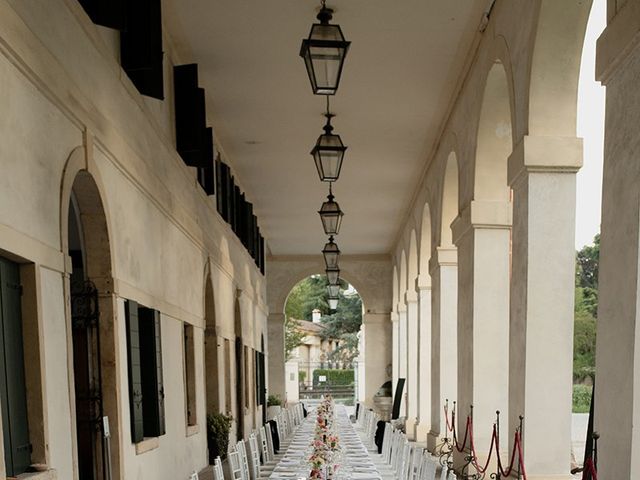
[{"x": 591, "y": 96}]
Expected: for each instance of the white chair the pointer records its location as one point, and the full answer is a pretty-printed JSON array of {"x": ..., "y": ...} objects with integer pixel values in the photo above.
[
  {"x": 429, "y": 467},
  {"x": 254, "y": 457},
  {"x": 244, "y": 461},
  {"x": 405, "y": 462},
  {"x": 416, "y": 463},
  {"x": 218, "y": 473},
  {"x": 234, "y": 465}
]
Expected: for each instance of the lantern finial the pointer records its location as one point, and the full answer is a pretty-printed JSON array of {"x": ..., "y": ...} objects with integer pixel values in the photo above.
[{"x": 325, "y": 14}]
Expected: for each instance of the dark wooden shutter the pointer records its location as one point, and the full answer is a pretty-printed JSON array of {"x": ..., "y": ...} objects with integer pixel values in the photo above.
[
  {"x": 206, "y": 174},
  {"x": 12, "y": 384},
  {"x": 152, "y": 378},
  {"x": 135, "y": 371},
  {"x": 262, "y": 256},
  {"x": 230, "y": 197},
  {"x": 219, "y": 195},
  {"x": 141, "y": 46},
  {"x": 108, "y": 13}
]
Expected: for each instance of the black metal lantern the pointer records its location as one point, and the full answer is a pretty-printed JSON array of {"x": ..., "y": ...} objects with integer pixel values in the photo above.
[
  {"x": 331, "y": 252},
  {"x": 333, "y": 275},
  {"x": 331, "y": 215},
  {"x": 333, "y": 303},
  {"x": 328, "y": 153},
  {"x": 324, "y": 53},
  {"x": 334, "y": 290}
]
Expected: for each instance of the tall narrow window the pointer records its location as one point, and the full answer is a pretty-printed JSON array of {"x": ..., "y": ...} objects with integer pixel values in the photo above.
[
  {"x": 146, "y": 384},
  {"x": 13, "y": 394},
  {"x": 228, "y": 361},
  {"x": 190, "y": 375}
]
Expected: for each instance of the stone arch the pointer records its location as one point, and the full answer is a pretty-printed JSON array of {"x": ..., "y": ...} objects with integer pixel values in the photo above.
[
  {"x": 413, "y": 263},
  {"x": 555, "y": 68},
  {"x": 85, "y": 237},
  {"x": 494, "y": 138},
  {"x": 425, "y": 240},
  {"x": 308, "y": 273},
  {"x": 449, "y": 200},
  {"x": 214, "y": 387}
]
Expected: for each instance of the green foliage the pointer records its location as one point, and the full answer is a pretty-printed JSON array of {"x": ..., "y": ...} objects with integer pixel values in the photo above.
[
  {"x": 586, "y": 311},
  {"x": 292, "y": 336},
  {"x": 302, "y": 375},
  {"x": 306, "y": 296},
  {"x": 581, "y": 398},
  {"x": 218, "y": 429},
  {"x": 274, "y": 401},
  {"x": 334, "y": 377}
]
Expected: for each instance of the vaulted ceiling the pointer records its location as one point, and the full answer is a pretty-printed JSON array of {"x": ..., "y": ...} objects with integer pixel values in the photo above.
[{"x": 400, "y": 74}]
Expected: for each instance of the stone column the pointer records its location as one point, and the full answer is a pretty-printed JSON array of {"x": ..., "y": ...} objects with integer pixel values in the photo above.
[
  {"x": 275, "y": 337},
  {"x": 482, "y": 234},
  {"x": 424, "y": 358},
  {"x": 444, "y": 358},
  {"x": 377, "y": 345},
  {"x": 542, "y": 175},
  {"x": 411, "y": 300},
  {"x": 395, "y": 354},
  {"x": 402, "y": 353},
  {"x": 617, "y": 403}
]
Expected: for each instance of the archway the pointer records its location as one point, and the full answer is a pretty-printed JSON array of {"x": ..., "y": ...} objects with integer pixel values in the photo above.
[
  {"x": 324, "y": 348},
  {"x": 482, "y": 234},
  {"x": 444, "y": 275},
  {"x": 93, "y": 339}
]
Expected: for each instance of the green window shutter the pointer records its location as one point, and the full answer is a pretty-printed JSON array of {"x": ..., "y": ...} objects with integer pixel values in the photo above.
[
  {"x": 12, "y": 384},
  {"x": 135, "y": 371},
  {"x": 152, "y": 379}
]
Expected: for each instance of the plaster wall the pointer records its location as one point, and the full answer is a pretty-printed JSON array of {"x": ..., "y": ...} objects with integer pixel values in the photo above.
[{"x": 63, "y": 91}]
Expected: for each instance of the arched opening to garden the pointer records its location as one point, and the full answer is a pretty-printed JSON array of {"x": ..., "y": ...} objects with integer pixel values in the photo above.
[{"x": 324, "y": 347}]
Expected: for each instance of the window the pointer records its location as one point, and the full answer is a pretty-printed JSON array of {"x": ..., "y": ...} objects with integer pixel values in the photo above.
[
  {"x": 228, "y": 360},
  {"x": 146, "y": 388},
  {"x": 190, "y": 375},
  {"x": 13, "y": 393}
]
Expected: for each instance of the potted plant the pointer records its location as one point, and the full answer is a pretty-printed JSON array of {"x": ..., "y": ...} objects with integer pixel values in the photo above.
[
  {"x": 274, "y": 405},
  {"x": 218, "y": 428}
]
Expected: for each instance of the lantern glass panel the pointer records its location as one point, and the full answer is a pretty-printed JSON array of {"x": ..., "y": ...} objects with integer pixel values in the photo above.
[
  {"x": 334, "y": 290},
  {"x": 331, "y": 216},
  {"x": 333, "y": 303}
]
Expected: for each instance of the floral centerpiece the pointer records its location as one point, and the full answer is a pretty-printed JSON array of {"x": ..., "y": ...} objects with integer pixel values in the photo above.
[{"x": 326, "y": 442}]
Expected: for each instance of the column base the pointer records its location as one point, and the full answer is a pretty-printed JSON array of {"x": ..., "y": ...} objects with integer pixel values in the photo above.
[
  {"x": 433, "y": 440},
  {"x": 410, "y": 427},
  {"x": 422, "y": 431}
]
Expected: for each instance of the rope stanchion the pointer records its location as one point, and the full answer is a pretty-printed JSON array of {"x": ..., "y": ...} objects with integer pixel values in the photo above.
[
  {"x": 590, "y": 468},
  {"x": 517, "y": 456}
]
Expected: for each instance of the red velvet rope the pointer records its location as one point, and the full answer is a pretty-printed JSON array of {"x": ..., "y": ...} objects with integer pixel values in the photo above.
[{"x": 590, "y": 467}]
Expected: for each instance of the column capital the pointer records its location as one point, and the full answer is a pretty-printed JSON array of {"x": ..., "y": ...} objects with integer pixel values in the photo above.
[
  {"x": 544, "y": 154},
  {"x": 617, "y": 41},
  {"x": 411, "y": 297},
  {"x": 482, "y": 214},
  {"x": 402, "y": 307},
  {"x": 444, "y": 256},
  {"x": 394, "y": 317},
  {"x": 423, "y": 282}
]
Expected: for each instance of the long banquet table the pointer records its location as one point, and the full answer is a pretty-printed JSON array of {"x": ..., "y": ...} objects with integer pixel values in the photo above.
[{"x": 353, "y": 460}]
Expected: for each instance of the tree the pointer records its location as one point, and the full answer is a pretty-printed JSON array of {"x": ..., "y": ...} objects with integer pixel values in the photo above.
[{"x": 292, "y": 337}]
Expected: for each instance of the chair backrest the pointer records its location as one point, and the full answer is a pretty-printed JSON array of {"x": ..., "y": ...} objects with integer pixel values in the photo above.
[
  {"x": 269, "y": 436},
  {"x": 264, "y": 448},
  {"x": 386, "y": 442},
  {"x": 254, "y": 457},
  {"x": 234, "y": 465},
  {"x": 444, "y": 472},
  {"x": 416, "y": 463},
  {"x": 244, "y": 461},
  {"x": 406, "y": 462},
  {"x": 451, "y": 475},
  {"x": 429, "y": 467},
  {"x": 218, "y": 473}
]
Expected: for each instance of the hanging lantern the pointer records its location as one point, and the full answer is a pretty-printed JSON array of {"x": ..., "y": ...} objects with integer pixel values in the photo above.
[
  {"x": 333, "y": 303},
  {"x": 331, "y": 215},
  {"x": 333, "y": 275},
  {"x": 331, "y": 252},
  {"x": 328, "y": 153},
  {"x": 324, "y": 53}
]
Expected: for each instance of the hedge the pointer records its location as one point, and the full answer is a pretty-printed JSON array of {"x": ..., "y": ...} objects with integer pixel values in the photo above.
[{"x": 334, "y": 377}]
